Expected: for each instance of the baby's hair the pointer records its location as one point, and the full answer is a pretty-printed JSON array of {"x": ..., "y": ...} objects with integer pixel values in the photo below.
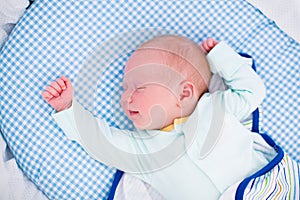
[{"x": 182, "y": 54}]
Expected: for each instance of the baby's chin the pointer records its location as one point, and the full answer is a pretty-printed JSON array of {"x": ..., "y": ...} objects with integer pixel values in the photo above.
[
  {"x": 145, "y": 127},
  {"x": 149, "y": 126}
]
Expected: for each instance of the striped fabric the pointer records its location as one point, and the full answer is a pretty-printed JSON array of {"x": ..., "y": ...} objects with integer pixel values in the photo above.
[{"x": 282, "y": 182}]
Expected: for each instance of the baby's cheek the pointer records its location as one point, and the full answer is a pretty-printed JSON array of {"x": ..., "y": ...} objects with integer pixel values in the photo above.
[{"x": 158, "y": 116}]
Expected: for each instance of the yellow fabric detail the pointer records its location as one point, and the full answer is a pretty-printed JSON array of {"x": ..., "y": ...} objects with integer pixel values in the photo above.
[{"x": 176, "y": 122}]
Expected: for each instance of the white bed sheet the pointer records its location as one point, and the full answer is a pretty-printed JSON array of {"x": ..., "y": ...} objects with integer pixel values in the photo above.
[
  {"x": 285, "y": 13},
  {"x": 14, "y": 184},
  {"x": 10, "y": 12}
]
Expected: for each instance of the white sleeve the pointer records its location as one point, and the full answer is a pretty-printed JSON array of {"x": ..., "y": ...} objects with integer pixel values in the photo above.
[
  {"x": 76, "y": 122},
  {"x": 66, "y": 122},
  {"x": 128, "y": 151},
  {"x": 245, "y": 88},
  {"x": 106, "y": 144}
]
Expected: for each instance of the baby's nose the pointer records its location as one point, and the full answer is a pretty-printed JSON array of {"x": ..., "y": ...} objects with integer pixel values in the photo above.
[{"x": 127, "y": 97}]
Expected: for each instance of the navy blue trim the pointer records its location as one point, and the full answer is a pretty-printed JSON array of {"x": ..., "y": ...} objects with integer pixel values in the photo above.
[
  {"x": 255, "y": 121},
  {"x": 248, "y": 56},
  {"x": 30, "y": 3},
  {"x": 242, "y": 186},
  {"x": 114, "y": 186},
  {"x": 255, "y": 114}
]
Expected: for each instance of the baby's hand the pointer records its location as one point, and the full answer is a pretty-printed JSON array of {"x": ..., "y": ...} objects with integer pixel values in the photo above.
[
  {"x": 208, "y": 44},
  {"x": 59, "y": 94}
]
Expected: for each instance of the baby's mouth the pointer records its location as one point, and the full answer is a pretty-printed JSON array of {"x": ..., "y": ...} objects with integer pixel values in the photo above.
[{"x": 133, "y": 113}]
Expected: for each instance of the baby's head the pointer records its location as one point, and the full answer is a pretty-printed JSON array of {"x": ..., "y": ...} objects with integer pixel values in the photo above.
[{"x": 163, "y": 80}]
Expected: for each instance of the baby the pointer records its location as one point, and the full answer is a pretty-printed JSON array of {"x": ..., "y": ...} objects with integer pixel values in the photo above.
[{"x": 185, "y": 137}]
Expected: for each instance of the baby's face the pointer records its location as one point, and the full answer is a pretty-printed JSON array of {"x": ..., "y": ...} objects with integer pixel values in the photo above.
[{"x": 150, "y": 97}]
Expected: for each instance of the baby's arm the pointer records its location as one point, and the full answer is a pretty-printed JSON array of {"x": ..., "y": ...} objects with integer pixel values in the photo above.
[
  {"x": 95, "y": 135},
  {"x": 245, "y": 88},
  {"x": 59, "y": 95}
]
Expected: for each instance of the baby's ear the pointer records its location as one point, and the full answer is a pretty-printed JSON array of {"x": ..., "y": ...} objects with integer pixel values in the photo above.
[
  {"x": 187, "y": 91},
  {"x": 187, "y": 98}
]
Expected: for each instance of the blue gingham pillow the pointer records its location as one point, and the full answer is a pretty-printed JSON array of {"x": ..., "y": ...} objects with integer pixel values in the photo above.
[{"x": 89, "y": 41}]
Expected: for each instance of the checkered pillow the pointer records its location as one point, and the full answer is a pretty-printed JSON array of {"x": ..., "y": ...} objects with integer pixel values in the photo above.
[{"x": 89, "y": 41}]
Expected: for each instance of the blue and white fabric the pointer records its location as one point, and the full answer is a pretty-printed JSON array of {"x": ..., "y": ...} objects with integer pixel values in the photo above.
[{"x": 89, "y": 41}]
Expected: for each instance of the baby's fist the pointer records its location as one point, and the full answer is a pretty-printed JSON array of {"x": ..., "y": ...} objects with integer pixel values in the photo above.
[
  {"x": 208, "y": 44},
  {"x": 59, "y": 94}
]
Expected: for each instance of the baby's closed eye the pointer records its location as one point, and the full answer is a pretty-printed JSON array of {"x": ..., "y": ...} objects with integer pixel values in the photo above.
[{"x": 140, "y": 88}]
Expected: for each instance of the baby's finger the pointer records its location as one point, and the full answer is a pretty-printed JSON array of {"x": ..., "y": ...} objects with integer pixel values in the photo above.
[
  {"x": 210, "y": 42},
  {"x": 61, "y": 83},
  {"x": 56, "y": 86},
  {"x": 46, "y": 95},
  {"x": 215, "y": 42},
  {"x": 205, "y": 46},
  {"x": 52, "y": 91},
  {"x": 67, "y": 81}
]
